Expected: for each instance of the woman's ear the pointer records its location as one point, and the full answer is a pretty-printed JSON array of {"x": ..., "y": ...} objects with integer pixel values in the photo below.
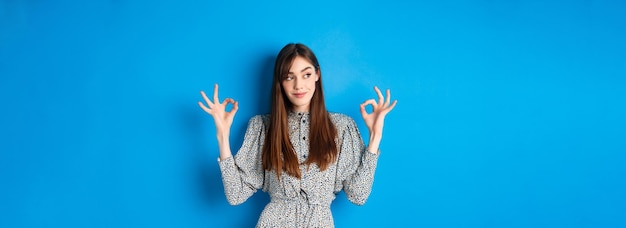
[{"x": 318, "y": 72}]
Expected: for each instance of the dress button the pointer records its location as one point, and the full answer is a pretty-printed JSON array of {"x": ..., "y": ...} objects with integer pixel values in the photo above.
[
  {"x": 304, "y": 137},
  {"x": 303, "y": 121}
]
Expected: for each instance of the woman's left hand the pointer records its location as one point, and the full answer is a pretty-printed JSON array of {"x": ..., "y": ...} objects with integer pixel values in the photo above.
[{"x": 375, "y": 120}]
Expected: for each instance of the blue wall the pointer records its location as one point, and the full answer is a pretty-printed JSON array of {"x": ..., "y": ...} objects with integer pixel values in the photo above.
[{"x": 510, "y": 114}]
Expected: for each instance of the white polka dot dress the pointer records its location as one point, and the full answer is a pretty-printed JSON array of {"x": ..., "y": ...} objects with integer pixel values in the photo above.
[{"x": 301, "y": 202}]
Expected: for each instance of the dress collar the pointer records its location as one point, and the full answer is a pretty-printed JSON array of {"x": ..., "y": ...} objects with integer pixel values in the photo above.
[{"x": 297, "y": 114}]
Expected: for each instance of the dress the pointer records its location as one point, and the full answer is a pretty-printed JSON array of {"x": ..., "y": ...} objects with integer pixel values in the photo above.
[{"x": 301, "y": 202}]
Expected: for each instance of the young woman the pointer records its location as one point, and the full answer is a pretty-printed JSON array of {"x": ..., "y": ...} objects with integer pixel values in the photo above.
[{"x": 300, "y": 154}]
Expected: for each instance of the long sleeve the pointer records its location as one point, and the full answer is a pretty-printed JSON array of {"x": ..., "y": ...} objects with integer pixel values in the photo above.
[
  {"x": 243, "y": 174},
  {"x": 356, "y": 166}
]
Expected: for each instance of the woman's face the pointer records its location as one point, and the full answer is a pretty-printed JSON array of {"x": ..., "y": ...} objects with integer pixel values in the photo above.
[{"x": 299, "y": 84}]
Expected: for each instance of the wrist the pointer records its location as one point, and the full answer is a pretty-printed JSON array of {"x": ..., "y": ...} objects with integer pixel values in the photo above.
[
  {"x": 375, "y": 136},
  {"x": 223, "y": 143},
  {"x": 224, "y": 157},
  {"x": 374, "y": 142},
  {"x": 222, "y": 136}
]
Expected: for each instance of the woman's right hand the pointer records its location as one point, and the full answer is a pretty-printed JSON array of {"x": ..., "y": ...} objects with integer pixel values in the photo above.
[{"x": 223, "y": 120}]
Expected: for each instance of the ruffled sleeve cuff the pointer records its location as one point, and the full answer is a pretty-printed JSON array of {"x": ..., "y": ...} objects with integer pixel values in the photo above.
[
  {"x": 227, "y": 167},
  {"x": 370, "y": 160}
]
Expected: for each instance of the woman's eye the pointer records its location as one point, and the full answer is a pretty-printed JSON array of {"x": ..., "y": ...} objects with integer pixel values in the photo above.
[
  {"x": 307, "y": 75},
  {"x": 289, "y": 78}
]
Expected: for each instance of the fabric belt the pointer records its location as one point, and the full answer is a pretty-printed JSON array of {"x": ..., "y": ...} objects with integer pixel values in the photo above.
[{"x": 303, "y": 197}]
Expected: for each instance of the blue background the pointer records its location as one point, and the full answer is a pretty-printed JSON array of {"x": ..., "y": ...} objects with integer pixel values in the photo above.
[{"x": 510, "y": 114}]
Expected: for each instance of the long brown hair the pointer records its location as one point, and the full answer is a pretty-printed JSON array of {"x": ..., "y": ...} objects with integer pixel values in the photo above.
[{"x": 278, "y": 152}]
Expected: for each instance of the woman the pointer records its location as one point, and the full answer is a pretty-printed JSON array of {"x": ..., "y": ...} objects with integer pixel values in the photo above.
[{"x": 300, "y": 154}]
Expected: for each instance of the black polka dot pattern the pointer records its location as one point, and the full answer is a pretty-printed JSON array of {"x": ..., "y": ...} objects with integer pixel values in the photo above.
[{"x": 301, "y": 202}]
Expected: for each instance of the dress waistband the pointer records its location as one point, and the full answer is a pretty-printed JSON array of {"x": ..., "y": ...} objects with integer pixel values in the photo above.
[{"x": 303, "y": 197}]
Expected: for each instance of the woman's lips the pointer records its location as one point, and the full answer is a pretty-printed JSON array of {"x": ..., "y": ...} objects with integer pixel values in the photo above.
[{"x": 299, "y": 95}]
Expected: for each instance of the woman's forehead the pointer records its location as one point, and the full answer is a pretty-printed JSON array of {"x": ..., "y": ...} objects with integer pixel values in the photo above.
[{"x": 300, "y": 64}]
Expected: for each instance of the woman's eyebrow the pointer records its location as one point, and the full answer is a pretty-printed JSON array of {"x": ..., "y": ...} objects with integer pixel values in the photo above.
[{"x": 306, "y": 68}]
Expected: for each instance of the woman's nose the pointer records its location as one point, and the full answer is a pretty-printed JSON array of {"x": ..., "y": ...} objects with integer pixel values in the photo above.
[{"x": 297, "y": 83}]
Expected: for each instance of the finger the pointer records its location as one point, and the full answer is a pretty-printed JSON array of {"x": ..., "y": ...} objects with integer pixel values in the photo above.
[
  {"x": 392, "y": 105},
  {"x": 388, "y": 98},
  {"x": 206, "y": 98},
  {"x": 215, "y": 98},
  {"x": 228, "y": 100},
  {"x": 380, "y": 95},
  {"x": 207, "y": 110},
  {"x": 363, "y": 112},
  {"x": 235, "y": 108},
  {"x": 369, "y": 102}
]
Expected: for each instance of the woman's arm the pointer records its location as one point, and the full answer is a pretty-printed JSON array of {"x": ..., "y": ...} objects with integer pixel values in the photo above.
[
  {"x": 375, "y": 120},
  {"x": 223, "y": 120},
  {"x": 357, "y": 164},
  {"x": 242, "y": 174}
]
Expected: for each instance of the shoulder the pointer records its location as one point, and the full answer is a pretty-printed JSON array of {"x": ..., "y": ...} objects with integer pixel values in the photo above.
[
  {"x": 261, "y": 117},
  {"x": 336, "y": 116},
  {"x": 259, "y": 120},
  {"x": 341, "y": 121}
]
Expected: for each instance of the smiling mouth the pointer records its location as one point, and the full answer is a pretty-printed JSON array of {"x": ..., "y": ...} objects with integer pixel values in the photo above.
[{"x": 299, "y": 95}]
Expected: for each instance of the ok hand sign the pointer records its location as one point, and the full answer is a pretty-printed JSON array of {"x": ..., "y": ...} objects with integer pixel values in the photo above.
[
  {"x": 223, "y": 120},
  {"x": 375, "y": 120}
]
